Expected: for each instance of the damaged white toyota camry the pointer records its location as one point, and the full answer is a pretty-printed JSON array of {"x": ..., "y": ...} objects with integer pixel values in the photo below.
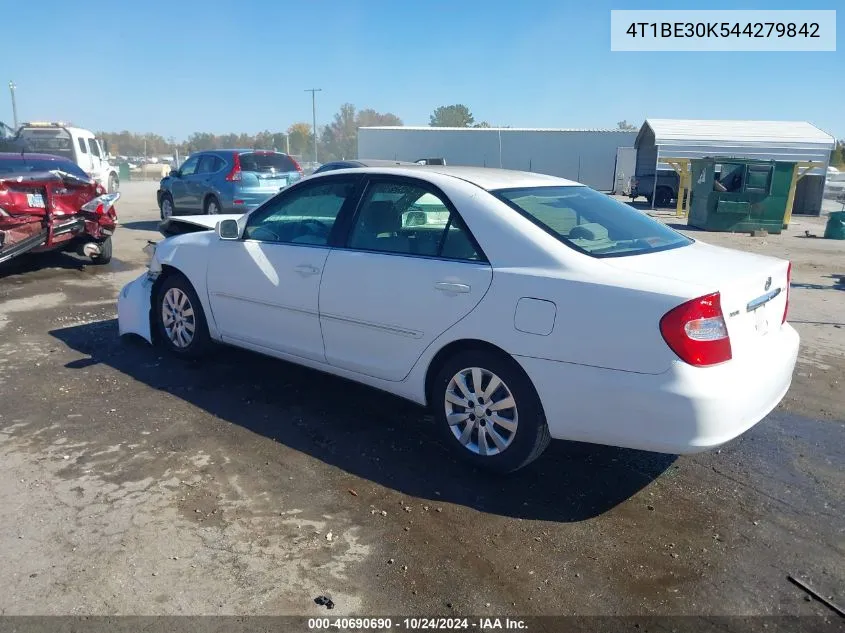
[{"x": 519, "y": 307}]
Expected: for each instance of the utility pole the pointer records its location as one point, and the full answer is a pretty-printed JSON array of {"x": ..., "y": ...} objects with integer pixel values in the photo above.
[
  {"x": 314, "y": 92},
  {"x": 287, "y": 144},
  {"x": 12, "y": 88}
]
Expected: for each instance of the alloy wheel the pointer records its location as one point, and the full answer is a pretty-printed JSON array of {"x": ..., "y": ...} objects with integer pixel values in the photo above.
[
  {"x": 177, "y": 317},
  {"x": 481, "y": 411}
]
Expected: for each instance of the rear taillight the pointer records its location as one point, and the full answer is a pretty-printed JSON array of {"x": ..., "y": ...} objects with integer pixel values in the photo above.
[
  {"x": 788, "y": 282},
  {"x": 696, "y": 331},
  {"x": 235, "y": 173},
  {"x": 295, "y": 164}
]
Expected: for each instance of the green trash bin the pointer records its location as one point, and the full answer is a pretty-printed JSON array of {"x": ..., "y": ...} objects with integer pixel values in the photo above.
[
  {"x": 123, "y": 172},
  {"x": 835, "y": 229},
  {"x": 739, "y": 195}
]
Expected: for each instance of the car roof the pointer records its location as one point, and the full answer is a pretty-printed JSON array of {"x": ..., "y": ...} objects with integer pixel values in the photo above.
[
  {"x": 488, "y": 178},
  {"x": 237, "y": 150},
  {"x": 375, "y": 162},
  {"x": 33, "y": 156}
]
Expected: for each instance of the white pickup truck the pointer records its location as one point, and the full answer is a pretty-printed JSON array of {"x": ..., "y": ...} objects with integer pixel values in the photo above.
[{"x": 78, "y": 144}]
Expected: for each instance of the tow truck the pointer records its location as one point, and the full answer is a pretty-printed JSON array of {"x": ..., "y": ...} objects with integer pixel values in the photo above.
[{"x": 75, "y": 143}]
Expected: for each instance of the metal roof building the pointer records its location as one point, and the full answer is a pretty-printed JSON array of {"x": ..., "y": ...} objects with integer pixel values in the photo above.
[
  {"x": 787, "y": 141},
  {"x": 585, "y": 155}
]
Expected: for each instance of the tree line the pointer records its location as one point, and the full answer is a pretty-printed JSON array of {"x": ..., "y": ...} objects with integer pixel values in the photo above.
[{"x": 335, "y": 141}]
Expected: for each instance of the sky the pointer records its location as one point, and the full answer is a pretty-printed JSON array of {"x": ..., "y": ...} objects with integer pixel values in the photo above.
[{"x": 174, "y": 68}]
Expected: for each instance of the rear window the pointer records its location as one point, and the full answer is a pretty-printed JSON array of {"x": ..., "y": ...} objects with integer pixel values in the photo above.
[
  {"x": 48, "y": 141},
  {"x": 27, "y": 165},
  {"x": 267, "y": 163},
  {"x": 592, "y": 222}
]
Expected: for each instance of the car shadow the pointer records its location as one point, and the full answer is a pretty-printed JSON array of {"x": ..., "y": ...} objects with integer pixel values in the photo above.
[
  {"x": 31, "y": 262},
  {"x": 837, "y": 285},
  {"x": 141, "y": 225},
  {"x": 370, "y": 434}
]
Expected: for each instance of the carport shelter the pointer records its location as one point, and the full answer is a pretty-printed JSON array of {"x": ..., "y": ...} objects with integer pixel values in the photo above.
[{"x": 669, "y": 144}]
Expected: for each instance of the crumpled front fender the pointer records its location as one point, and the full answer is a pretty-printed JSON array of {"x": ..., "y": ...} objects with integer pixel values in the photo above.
[{"x": 133, "y": 307}]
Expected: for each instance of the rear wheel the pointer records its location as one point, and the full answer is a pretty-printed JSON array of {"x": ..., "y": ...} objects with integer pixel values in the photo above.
[
  {"x": 180, "y": 319},
  {"x": 663, "y": 197},
  {"x": 488, "y": 411},
  {"x": 105, "y": 252},
  {"x": 212, "y": 206}
]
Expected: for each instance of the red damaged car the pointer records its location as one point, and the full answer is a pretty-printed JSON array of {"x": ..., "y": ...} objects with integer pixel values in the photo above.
[{"x": 48, "y": 203}]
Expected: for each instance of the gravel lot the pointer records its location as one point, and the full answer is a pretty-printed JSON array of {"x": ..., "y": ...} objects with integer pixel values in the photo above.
[{"x": 133, "y": 483}]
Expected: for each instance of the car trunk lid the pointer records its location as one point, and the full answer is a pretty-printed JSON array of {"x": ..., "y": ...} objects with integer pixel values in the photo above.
[
  {"x": 267, "y": 171},
  {"x": 753, "y": 288}
]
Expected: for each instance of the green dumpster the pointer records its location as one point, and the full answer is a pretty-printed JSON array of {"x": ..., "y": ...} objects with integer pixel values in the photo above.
[
  {"x": 123, "y": 172},
  {"x": 835, "y": 229},
  {"x": 739, "y": 195}
]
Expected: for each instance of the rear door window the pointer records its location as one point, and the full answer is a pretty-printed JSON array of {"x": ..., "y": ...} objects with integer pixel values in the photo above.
[
  {"x": 208, "y": 164},
  {"x": 408, "y": 219},
  {"x": 266, "y": 163}
]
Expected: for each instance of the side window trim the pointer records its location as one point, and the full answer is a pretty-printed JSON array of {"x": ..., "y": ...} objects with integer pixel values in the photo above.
[{"x": 433, "y": 189}]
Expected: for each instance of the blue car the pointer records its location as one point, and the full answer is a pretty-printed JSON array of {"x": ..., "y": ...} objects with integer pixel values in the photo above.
[{"x": 225, "y": 181}]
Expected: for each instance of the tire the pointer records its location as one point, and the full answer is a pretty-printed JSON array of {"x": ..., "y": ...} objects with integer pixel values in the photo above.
[
  {"x": 212, "y": 206},
  {"x": 105, "y": 252},
  {"x": 523, "y": 442},
  {"x": 176, "y": 296},
  {"x": 166, "y": 208},
  {"x": 113, "y": 183},
  {"x": 663, "y": 197}
]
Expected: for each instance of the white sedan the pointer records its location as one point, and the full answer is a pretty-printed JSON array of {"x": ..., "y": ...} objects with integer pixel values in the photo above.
[{"x": 519, "y": 307}]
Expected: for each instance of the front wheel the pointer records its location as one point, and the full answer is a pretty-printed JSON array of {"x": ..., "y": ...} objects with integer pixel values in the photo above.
[
  {"x": 489, "y": 412},
  {"x": 166, "y": 206},
  {"x": 180, "y": 319}
]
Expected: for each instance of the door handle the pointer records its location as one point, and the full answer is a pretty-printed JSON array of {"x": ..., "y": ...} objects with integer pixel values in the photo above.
[
  {"x": 445, "y": 286},
  {"x": 307, "y": 269}
]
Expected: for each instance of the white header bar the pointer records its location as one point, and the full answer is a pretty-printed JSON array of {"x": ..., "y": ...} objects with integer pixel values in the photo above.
[{"x": 758, "y": 30}]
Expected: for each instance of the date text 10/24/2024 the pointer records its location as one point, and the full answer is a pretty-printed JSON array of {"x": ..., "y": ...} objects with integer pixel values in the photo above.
[{"x": 416, "y": 624}]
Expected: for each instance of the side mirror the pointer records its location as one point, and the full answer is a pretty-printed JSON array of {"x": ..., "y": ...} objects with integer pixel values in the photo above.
[
  {"x": 174, "y": 173},
  {"x": 228, "y": 230}
]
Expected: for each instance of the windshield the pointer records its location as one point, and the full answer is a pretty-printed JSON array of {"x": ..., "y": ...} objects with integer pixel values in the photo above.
[
  {"x": 592, "y": 222},
  {"x": 48, "y": 141},
  {"x": 25, "y": 165},
  {"x": 266, "y": 163}
]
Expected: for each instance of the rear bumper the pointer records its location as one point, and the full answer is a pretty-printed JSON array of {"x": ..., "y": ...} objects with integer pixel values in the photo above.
[
  {"x": 683, "y": 410},
  {"x": 133, "y": 308}
]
